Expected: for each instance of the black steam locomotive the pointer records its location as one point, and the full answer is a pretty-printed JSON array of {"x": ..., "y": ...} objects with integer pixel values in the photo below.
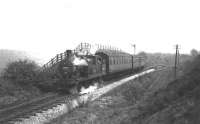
[{"x": 79, "y": 68}]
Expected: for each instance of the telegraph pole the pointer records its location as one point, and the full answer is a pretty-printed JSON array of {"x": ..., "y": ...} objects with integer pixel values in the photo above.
[{"x": 176, "y": 60}]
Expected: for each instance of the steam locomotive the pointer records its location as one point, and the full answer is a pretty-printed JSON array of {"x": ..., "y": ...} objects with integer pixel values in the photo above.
[{"x": 79, "y": 68}]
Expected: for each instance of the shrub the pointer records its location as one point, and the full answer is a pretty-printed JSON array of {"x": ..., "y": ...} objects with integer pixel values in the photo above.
[
  {"x": 21, "y": 72},
  {"x": 191, "y": 65}
]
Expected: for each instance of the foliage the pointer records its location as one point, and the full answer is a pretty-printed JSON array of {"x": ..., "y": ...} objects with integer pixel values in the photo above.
[
  {"x": 190, "y": 65},
  {"x": 26, "y": 73},
  {"x": 143, "y": 54},
  {"x": 21, "y": 72},
  {"x": 176, "y": 90},
  {"x": 160, "y": 58},
  {"x": 7, "y": 56},
  {"x": 194, "y": 52},
  {"x": 166, "y": 59}
]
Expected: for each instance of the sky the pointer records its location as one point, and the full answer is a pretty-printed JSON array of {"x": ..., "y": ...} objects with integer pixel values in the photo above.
[{"x": 44, "y": 28}]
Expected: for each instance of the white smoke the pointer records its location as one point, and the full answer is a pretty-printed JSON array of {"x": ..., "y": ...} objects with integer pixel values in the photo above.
[
  {"x": 93, "y": 49},
  {"x": 79, "y": 61},
  {"x": 90, "y": 89}
]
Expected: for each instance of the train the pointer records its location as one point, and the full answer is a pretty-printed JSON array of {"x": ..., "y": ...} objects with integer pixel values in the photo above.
[{"x": 81, "y": 68}]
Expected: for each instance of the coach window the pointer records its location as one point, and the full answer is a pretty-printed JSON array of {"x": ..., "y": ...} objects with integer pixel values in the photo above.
[
  {"x": 118, "y": 59},
  {"x": 99, "y": 61},
  {"x": 94, "y": 60},
  {"x": 124, "y": 60},
  {"x": 111, "y": 60}
]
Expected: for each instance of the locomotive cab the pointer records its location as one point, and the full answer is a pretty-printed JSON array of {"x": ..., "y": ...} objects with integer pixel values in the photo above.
[
  {"x": 82, "y": 67},
  {"x": 94, "y": 67}
]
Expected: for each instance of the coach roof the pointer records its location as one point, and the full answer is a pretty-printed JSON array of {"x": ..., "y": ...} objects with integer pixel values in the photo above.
[{"x": 112, "y": 52}]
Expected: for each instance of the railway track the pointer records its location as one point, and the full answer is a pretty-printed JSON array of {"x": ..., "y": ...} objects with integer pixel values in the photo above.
[{"x": 28, "y": 109}]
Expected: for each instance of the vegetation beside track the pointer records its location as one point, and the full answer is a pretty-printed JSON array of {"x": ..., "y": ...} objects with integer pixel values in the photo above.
[
  {"x": 113, "y": 107},
  {"x": 138, "y": 98},
  {"x": 18, "y": 83},
  {"x": 154, "y": 99}
]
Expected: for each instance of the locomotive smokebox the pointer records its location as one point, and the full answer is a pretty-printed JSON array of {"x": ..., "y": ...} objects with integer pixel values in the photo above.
[{"x": 69, "y": 53}]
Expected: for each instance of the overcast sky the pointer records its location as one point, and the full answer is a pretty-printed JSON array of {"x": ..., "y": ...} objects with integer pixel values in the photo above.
[{"x": 44, "y": 28}]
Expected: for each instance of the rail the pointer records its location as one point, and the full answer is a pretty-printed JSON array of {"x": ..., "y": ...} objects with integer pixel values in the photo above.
[{"x": 19, "y": 110}]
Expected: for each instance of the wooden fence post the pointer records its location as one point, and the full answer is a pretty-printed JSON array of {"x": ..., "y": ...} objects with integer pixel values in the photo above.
[
  {"x": 51, "y": 62},
  {"x": 61, "y": 56},
  {"x": 57, "y": 58}
]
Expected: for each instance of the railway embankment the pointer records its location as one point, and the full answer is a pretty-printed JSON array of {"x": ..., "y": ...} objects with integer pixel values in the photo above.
[
  {"x": 69, "y": 104},
  {"x": 154, "y": 99},
  {"x": 114, "y": 106}
]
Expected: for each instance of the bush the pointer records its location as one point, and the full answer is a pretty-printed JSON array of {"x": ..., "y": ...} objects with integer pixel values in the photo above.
[
  {"x": 21, "y": 72},
  {"x": 186, "y": 86},
  {"x": 192, "y": 65}
]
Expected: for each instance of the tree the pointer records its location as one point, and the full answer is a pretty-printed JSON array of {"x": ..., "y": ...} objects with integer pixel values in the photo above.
[
  {"x": 21, "y": 71},
  {"x": 194, "y": 52},
  {"x": 143, "y": 54}
]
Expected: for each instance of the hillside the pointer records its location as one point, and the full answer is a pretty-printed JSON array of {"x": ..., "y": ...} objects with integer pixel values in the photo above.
[
  {"x": 154, "y": 99},
  {"x": 179, "y": 102}
]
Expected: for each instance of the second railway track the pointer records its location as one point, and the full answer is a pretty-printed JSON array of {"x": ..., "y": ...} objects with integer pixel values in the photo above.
[{"x": 29, "y": 108}]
